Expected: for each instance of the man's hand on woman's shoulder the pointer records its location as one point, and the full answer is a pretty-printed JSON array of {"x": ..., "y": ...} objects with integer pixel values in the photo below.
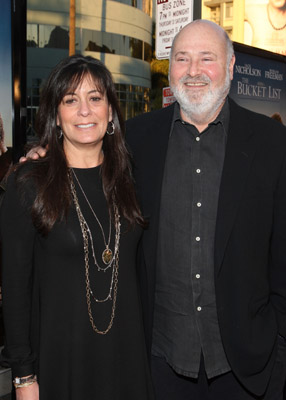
[{"x": 34, "y": 153}]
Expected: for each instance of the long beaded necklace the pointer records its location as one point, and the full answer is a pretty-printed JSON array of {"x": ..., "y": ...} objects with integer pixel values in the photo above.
[
  {"x": 107, "y": 255},
  {"x": 86, "y": 234}
]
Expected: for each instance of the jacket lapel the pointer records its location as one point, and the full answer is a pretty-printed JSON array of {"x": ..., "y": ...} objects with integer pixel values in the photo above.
[
  {"x": 153, "y": 175},
  {"x": 240, "y": 151}
]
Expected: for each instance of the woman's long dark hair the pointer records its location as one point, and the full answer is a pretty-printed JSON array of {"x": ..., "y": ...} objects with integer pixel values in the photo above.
[{"x": 51, "y": 173}]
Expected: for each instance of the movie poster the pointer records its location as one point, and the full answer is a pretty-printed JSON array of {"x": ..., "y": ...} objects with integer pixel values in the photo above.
[
  {"x": 5, "y": 75},
  {"x": 265, "y": 25},
  {"x": 259, "y": 84}
]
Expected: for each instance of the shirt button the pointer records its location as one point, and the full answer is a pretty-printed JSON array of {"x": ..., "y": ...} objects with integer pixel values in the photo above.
[
  {"x": 199, "y": 204},
  {"x": 198, "y": 171},
  {"x": 198, "y": 276},
  {"x": 199, "y": 308},
  {"x": 198, "y": 238},
  {"x": 198, "y": 138}
]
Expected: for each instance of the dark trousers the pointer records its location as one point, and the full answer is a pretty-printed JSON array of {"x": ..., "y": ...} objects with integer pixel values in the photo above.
[{"x": 171, "y": 386}]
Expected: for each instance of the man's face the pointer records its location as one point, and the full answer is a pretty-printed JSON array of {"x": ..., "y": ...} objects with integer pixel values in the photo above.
[{"x": 199, "y": 76}]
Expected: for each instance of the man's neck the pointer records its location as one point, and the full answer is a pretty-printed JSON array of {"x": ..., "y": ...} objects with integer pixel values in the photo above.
[{"x": 201, "y": 121}]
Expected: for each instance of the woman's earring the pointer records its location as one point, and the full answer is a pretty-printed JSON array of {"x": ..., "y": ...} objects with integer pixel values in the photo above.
[
  {"x": 60, "y": 132},
  {"x": 110, "y": 128}
]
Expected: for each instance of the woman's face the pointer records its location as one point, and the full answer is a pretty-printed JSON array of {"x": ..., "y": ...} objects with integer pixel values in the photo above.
[
  {"x": 277, "y": 3},
  {"x": 83, "y": 116}
]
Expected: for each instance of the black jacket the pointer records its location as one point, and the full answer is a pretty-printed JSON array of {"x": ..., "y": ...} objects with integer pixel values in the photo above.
[{"x": 250, "y": 256}]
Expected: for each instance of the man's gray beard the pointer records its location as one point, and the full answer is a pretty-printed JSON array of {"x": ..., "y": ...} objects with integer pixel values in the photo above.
[{"x": 211, "y": 102}]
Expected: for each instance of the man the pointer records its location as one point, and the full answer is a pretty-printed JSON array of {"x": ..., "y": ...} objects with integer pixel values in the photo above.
[
  {"x": 5, "y": 155},
  {"x": 5, "y": 163},
  {"x": 211, "y": 178}
]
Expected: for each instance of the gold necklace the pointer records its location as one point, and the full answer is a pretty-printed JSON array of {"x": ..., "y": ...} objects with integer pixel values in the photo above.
[
  {"x": 273, "y": 26},
  {"x": 115, "y": 270},
  {"x": 107, "y": 254}
]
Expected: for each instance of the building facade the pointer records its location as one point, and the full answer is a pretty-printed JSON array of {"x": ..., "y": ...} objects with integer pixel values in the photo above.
[
  {"x": 229, "y": 14},
  {"x": 119, "y": 33}
]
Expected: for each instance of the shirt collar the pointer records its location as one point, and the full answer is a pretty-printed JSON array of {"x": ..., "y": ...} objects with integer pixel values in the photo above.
[{"x": 223, "y": 116}]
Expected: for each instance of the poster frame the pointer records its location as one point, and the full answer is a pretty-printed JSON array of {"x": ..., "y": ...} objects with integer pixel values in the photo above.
[{"x": 263, "y": 58}]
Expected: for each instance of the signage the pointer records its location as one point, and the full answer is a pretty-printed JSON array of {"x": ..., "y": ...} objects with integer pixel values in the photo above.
[
  {"x": 168, "y": 97},
  {"x": 259, "y": 84},
  {"x": 171, "y": 17}
]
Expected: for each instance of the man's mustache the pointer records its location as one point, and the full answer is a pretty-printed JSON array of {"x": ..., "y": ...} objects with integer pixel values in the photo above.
[{"x": 198, "y": 79}]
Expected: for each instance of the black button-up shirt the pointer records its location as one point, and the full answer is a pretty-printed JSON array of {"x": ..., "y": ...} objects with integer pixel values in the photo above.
[{"x": 185, "y": 318}]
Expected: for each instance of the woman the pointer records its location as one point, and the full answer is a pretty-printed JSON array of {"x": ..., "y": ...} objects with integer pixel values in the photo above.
[
  {"x": 5, "y": 156},
  {"x": 70, "y": 226},
  {"x": 265, "y": 25}
]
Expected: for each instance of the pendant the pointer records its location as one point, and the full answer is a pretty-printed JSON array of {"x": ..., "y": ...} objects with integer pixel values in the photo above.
[{"x": 107, "y": 256}]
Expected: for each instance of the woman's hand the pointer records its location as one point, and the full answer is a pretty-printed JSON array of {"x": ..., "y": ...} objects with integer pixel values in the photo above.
[
  {"x": 30, "y": 392},
  {"x": 35, "y": 153}
]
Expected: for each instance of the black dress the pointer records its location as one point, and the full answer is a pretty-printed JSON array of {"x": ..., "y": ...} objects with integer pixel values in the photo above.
[{"x": 45, "y": 310}]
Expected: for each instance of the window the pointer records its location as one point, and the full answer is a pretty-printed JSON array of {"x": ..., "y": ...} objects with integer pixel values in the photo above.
[
  {"x": 228, "y": 10},
  {"x": 57, "y": 37},
  {"x": 134, "y": 100},
  {"x": 33, "y": 98}
]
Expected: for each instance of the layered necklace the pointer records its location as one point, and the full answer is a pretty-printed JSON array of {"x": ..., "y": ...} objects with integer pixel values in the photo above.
[{"x": 110, "y": 258}]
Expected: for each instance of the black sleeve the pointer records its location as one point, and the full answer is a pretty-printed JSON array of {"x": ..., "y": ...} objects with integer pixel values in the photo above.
[
  {"x": 5, "y": 162},
  {"x": 277, "y": 273},
  {"x": 17, "y": 235}
]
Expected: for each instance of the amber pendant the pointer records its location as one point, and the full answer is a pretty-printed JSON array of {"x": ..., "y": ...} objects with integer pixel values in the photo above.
[{"x": 107, "y": 256}]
